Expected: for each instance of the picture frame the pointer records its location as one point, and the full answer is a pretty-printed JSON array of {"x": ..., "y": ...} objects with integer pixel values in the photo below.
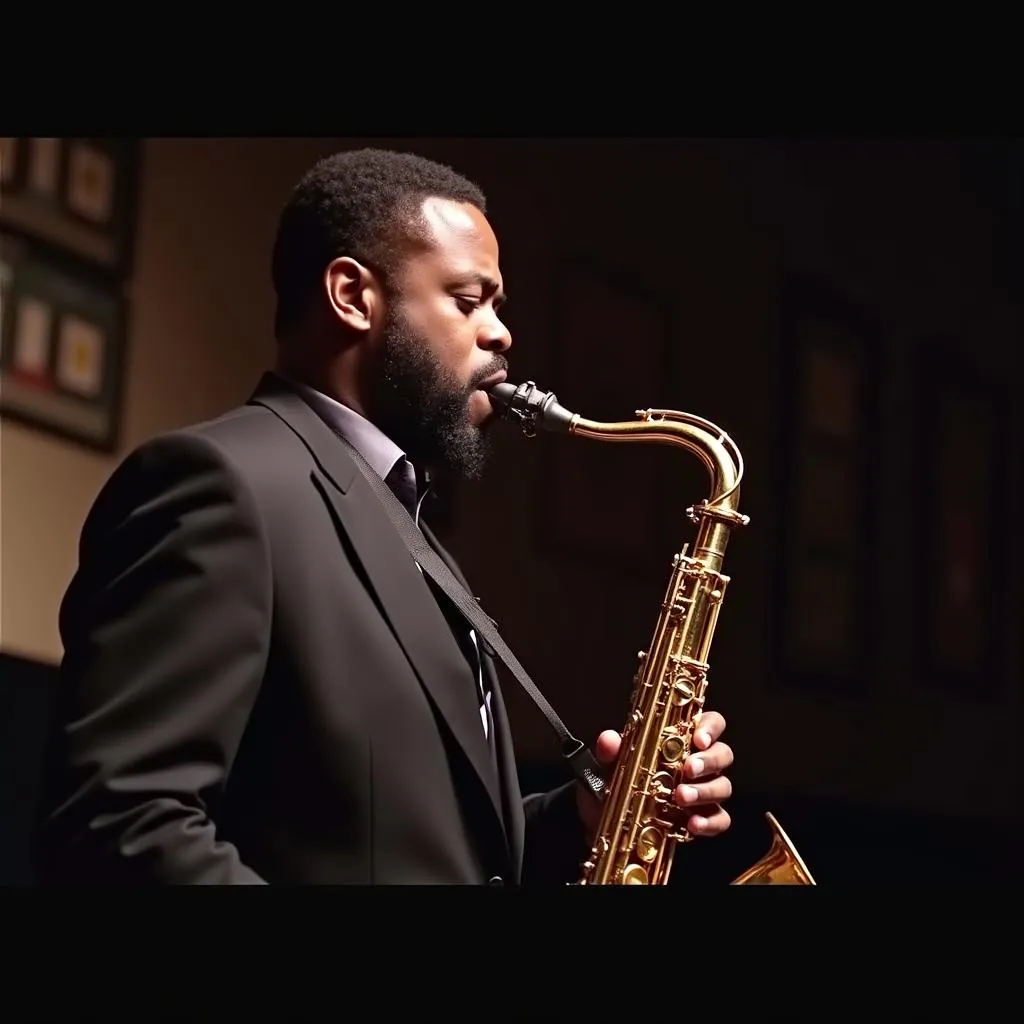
[
  {"x": 62, "y": 338},
  {"x": 829, "y": 404},
  {"x": 610, "y": 354},
  {"x": 961, "y": 455},
  {"x": 76, "y": 194}
]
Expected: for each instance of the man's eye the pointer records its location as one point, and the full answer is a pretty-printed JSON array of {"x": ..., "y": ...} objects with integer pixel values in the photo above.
[{"x": 467, "y": 303}]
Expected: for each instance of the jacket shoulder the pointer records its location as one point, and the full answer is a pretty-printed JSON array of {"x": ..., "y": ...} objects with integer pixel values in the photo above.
[
  {"x": 248, "y": 441},
  {"x": 245, "y": 449}
]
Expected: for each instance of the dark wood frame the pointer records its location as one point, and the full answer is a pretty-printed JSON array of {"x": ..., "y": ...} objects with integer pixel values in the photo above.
[
  {"x": 559, "y": 540},
  {"x": 55, "y": 222},
  {"x": 945, "y": 374},
  {"x": 78, "y": 266},
  {"x": 805, "y": 301}
]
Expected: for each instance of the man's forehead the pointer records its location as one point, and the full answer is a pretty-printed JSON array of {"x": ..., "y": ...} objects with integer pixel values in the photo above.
[
  {"x": 447, "y": 218},
  {"x": 459, "y": 228},
  {"x": 463, "y": 240}
]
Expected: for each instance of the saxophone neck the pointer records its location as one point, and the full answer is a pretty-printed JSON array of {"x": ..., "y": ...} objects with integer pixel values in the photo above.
[{"x": 536, "y": 410}]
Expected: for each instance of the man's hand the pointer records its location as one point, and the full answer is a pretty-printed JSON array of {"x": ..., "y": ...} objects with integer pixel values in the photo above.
[{"x": 702, "y": 794}]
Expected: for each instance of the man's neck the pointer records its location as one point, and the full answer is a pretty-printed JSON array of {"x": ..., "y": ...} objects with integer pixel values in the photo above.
[
  {"x": 326, "y": 382},
  {"x": 329, "y": 380}
]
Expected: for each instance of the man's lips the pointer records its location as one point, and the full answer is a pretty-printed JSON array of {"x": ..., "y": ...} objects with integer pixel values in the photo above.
[{"x": 495, "y": 378}]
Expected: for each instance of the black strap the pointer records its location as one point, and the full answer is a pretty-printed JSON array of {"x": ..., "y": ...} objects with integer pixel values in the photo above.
[{"x": 578, "y": 755}]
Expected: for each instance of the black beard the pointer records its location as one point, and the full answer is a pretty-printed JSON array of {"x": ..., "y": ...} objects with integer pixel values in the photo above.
[{"x": 418, "y": 403}]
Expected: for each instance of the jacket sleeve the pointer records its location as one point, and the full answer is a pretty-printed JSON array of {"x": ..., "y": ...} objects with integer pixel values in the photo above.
[
  {"x": 165, "y": 628},
  {"x": 555, "y": 840}
]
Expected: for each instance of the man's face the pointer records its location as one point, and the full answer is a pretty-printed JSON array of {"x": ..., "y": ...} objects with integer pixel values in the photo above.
[{"x": 441, "y": 340}]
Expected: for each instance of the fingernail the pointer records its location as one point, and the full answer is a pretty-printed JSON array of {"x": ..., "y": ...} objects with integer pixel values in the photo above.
[
  {"x": 698, "y": 824},
  {"x": 704, "y": 737},
  {"x": 696, "y": 765},
  {"x": 689, "y": 794}
]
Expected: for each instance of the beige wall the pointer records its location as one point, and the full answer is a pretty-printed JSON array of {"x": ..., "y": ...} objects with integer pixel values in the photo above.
[
  {"x": 712, "y": 230},
  {"x": 198, "y": 337}
]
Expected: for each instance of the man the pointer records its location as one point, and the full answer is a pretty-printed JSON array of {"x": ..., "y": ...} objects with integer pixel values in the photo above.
[{"x": 260, "y": 685}]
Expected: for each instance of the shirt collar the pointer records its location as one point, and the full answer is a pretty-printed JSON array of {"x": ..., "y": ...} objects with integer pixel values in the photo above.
[{"x": 381, "y": 454}]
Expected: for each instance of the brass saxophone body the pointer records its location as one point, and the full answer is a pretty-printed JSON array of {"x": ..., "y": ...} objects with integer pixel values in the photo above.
[{"x": 637, "y": 838}]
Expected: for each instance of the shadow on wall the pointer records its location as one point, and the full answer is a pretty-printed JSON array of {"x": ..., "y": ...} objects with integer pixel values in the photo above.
[{"x": 842, "y": 845}]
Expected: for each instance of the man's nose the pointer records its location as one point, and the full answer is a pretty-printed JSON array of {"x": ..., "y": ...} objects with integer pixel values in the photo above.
[{"x": 496, "y": 337}]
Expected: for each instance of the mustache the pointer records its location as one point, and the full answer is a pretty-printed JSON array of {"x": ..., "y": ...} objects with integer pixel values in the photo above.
[{"x": 497, "y": 365}]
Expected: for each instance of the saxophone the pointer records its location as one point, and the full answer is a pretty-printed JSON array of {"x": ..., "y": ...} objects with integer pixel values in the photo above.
[{"x": 636, "y": 839}]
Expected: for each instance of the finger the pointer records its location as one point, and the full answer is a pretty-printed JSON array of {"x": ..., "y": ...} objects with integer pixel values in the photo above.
[
  {"x": 607, "y": 747},
  {"x": 709, "y": 762},
  {"x": 714, "y": 792},
  {"x": 712, "y": 823},
  {"x": 709, "y": 728}
]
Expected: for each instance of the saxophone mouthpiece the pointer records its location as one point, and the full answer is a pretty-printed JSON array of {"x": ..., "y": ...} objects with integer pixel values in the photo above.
[
  {"x": 502, "y": 394},
  {"x": 533, "y": 408}
]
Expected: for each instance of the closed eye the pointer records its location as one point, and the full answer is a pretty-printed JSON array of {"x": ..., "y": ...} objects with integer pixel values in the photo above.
[
  {"x": 468, "y": 303},
  {"x": 489, "y": 288}
]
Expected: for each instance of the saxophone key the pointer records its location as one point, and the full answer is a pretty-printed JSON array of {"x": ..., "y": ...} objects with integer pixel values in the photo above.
[
  {"x": 635, "y": 874},
  {"x": 661, "y": 787},
  {"x": 648, "y": 844},
  {"x": 673, "y": 748},
  {"x": 682, "y": 692},
  {"x": 680, "y": 836}
]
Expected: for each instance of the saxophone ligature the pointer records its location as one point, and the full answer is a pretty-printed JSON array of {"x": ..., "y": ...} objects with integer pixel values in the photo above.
[{"x": 636, "y": 840}]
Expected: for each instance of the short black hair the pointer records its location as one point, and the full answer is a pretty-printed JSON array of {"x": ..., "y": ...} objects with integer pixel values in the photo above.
[{"x": 360, "y": 203}]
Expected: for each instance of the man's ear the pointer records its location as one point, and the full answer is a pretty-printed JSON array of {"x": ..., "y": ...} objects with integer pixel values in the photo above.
[{"x": 352, "y": 293}]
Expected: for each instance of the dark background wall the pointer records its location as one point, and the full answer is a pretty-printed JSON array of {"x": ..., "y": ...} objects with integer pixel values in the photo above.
[{"x": 686, "y": 274}]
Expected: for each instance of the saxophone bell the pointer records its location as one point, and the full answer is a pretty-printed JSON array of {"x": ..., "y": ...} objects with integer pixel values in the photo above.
[
  {"x": 637, "y": 838},
  {"x": 781, "y": 865}
]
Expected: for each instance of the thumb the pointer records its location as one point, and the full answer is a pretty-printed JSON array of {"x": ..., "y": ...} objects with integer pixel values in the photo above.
[{"x": 606, "y": 750}]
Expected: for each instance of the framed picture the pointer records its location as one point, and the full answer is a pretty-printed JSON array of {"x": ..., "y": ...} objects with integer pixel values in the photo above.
[
  {"x": 610, "y": 356},
  {"x": 62, "y": 345},
  {"x": 79, "y": 195},
  {"x": 829, "y": 404},
  {"x": 961, "y": 459}
]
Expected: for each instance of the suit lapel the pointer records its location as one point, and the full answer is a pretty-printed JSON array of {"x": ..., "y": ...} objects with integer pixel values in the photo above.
[
  {"x": 513, "y": 801},
  {"x": 403, "y": 596},
  {"x": 514, "y": 821}
]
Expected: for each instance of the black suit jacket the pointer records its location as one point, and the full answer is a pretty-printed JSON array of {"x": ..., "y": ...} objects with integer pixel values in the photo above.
[{"x": 259, "y": 686}]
